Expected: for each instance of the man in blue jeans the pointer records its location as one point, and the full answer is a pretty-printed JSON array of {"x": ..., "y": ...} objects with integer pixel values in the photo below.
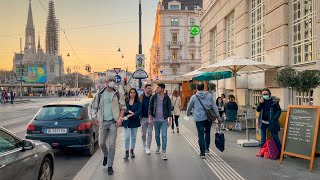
[
  {"x": 201, "y": 118},
  {"x": 270, "y": 112},
  {"x": 160, "y": 116}
]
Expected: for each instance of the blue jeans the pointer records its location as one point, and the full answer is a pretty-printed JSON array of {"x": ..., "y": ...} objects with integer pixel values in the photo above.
[
  {"x": 274, "y": 134},
  {"x": 163, "y": 127},
  {"x": 130, "y": 135},
  {"x": 204, "y": 129}
]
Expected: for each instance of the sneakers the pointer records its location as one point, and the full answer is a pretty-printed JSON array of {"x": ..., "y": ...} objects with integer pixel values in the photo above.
[
  {"x": 110, "y": 171},
  {"x": 202, "y": 156},
  {"x": 132, "y": 154},
  {"x": 148, "y": 152},
  {"x": 105, "y": 161},
  {"x": 164, "y": 156},
  {"x": 158, "y": 150}
]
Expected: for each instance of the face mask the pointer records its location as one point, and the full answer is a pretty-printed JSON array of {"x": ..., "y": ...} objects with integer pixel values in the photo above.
[
  {"x": 266, "y": 97},
  {"x": 111, "y": 84}
]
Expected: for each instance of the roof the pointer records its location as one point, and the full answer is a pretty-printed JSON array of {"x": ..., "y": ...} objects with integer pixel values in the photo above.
[
  {"x": 184, "y": 3},
  {"x": 68, "y": 103}
]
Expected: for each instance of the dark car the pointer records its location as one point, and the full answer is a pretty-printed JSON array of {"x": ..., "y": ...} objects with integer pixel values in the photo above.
[
  {"x": 65, "y": 125},
  {"x": 24, "y": 159}
]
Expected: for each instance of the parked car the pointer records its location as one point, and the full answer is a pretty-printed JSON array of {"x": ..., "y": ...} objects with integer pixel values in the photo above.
[
  {"x": 24, "y": 159},
  {"x": 65, "y": 125}
]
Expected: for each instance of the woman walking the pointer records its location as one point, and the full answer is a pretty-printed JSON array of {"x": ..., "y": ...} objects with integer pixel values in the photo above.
[
  {"x": 220, "y": 105},
  {"x": 131, "y": 122},
  {"x": 176, "y": 109}
]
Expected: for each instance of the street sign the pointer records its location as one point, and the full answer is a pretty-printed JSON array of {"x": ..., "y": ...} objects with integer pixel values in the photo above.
[
  {"x": 140, "y": 74},
  {"x": 194, "y": 30},
  {"x": 117, "y": 70},
  {"x": 161, "y": 71},
  {"x": 140, "y": 61},
  {"x": 117, "y": 79}
]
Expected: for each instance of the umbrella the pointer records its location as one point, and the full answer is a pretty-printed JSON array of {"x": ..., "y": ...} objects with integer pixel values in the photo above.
[
  {"x": 207, "y": 76},
  {"x": 236, "y": 64},
  {"x": 191, "y": 74}
]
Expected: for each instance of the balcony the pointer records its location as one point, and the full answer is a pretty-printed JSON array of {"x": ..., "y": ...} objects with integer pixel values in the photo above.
[
  {"x": 174, "y": 44},
  {"x": 175, "y": 62}
]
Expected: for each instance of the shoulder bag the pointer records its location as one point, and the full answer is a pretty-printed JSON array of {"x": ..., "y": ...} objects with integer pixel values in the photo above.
[{"x": 210, "y": 113}]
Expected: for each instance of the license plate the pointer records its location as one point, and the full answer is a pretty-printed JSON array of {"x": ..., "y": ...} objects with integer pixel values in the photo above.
[{"x": 56, "y": 131}]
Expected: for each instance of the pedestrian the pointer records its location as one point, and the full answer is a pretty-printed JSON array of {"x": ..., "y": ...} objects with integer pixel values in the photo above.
[
  {"x": 224, "y": 99},
  {"x": 201, "y": 118},
  {"x": 108, "y": 108},
  {"x": 176, "y": 109},
  {"x": 270, "y": 111},
  {"x": 146, "y": 128},
  {"x": 40, "y": 93},
  {"x": 220, "y": 105},
  {"x": 160, "y": 116},
  {"x": 131, "y": 122},
  {"x": 12, "y": 95}
]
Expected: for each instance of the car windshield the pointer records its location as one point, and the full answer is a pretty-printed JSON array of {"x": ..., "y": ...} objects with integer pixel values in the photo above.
[{"x": 59, "y": 113}]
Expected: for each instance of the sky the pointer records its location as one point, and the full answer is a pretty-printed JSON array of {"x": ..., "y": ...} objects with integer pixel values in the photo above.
[{"x": 97, "y": 46}]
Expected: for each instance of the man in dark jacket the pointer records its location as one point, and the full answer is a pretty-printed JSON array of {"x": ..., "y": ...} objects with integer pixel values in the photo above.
[
  {"x": 146, "y": 128},
  {"x": 160, "y": 115},
  {"x": 270, "y": 112}
]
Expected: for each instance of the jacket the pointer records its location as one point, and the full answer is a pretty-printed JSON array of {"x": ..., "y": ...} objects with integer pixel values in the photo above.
[
  {"x": 134, "y": 121},
  {"x": 275, "y": 112},
  {"x": 166, "y": 106},
  {"x": 176, "y": 102},
  {"x": 118, "y": 104},
  {"x": 199, "y": 113}
]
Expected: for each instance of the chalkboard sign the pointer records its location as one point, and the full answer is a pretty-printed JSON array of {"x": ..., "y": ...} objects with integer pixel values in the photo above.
[{"x": 301, "y": 132}]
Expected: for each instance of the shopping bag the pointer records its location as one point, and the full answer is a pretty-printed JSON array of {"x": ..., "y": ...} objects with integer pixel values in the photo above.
[
  {"x": 273, "y": 150},
  {"x": 219, "y": 139}
]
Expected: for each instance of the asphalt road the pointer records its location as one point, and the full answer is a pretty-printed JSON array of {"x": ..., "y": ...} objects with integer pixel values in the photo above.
[{"x": 15, "y": 118}]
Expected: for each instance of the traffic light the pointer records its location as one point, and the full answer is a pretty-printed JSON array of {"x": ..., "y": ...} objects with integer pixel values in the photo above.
[{"x": 125, "y": 81}]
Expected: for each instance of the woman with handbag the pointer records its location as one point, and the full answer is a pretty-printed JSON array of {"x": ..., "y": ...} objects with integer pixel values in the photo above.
[
  {"x": 176, "y": 109},
  {"x": 131, "y": 122}
]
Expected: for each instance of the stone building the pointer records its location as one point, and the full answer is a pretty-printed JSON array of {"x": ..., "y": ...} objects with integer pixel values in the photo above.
[
  {"x": 174, "y": 51},
  {"x": 275, "y": 32}
]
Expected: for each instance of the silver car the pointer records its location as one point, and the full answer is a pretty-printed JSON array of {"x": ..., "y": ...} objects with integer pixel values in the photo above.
[{"x": 24, "y": 159}]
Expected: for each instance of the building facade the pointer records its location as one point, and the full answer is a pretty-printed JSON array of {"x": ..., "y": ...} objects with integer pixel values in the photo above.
[
  {"x": 276, "y": 32},
  {"x": 174, "y": 50},
  {"x": 34, "y": 57}
]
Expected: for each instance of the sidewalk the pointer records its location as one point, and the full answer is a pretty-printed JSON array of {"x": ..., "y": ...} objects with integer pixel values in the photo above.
[{"x": 235, "y": 163}]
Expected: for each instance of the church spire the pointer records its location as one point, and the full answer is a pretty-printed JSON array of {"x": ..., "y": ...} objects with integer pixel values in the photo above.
[
  {"x": 52, "y": 31},
  {"x": 30, "y": 31},
  {"x": 39, "y": 47}
]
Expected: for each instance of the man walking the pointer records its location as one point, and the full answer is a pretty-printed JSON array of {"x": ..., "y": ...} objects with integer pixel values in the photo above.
[
  {"x": 160, "y": 115},
  {"x": 12, "y": 95},
  {"x": 146, "y": 128},
  {"x": 108, "y": 108},
  {"x": 201, "y": 118}
]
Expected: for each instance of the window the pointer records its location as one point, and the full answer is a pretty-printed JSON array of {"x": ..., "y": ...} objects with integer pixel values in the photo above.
[
  {"x": 7, "y": 142},
  {"x": 303, "y": 31},
  {"x": 256, "y": 97},
  {"x": 174, "y": 7},
  {"x": 213, "y": 48},
  {"x": 257, "y": 30},
  {"x": 174, "y": 22},
  {"x": 59, "y": 112},
  {"x": 174, "y": 37},
  {"x": 230, "y": 35},
  {"x": 192, "y": 39},
  {"x": 304, "y": 98},
  {"x": 191, "y": 21},
  {"x": 191, "y": 52},
  {"x": 174, "y": 54}
]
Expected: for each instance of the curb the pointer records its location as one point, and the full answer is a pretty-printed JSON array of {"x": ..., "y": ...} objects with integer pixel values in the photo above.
[{"x": 88, "y": 170}]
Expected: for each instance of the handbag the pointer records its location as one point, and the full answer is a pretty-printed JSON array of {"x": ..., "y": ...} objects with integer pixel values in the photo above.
[
  {"x": 172, "y": 107},
  {"x": 210, "y": 113},
  {"x": 219, "y": 139}
]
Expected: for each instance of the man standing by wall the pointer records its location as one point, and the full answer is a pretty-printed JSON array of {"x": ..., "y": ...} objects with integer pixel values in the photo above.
[
  {"x": 160, "y": 115},
  {"x": 146, "y": 128},
  {"x": 108, "y": 109}
]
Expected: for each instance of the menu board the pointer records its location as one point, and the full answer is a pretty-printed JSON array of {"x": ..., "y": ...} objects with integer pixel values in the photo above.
[{"x": 301, "y": 132}]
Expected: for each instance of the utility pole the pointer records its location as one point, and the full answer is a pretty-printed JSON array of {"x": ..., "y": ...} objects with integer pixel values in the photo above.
[
  {"x": 21, "y": 80},
  {"x": 140, "y": 37}
]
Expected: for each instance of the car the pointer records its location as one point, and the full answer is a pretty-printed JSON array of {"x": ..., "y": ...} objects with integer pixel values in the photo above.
[
  {"x": 24, "y": 159},
  {"x": 65, "y": 125}
]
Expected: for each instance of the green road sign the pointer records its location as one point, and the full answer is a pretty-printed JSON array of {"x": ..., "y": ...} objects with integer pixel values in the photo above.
[{"x": 195, "y": 30}]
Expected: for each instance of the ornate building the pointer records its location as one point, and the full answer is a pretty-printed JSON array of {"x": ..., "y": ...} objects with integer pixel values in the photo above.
[
  {"x": 174, "y": 50},
  {"x": 33, "y": 57}
]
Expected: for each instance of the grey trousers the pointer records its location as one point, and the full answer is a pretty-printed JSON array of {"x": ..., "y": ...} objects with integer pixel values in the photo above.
[
  {"x": 108, "y": 131},
  {"x": 146, "y": 128}
]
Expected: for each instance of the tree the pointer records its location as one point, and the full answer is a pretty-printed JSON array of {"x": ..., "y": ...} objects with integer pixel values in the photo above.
[
  {"x": 288, "y": 78},
  {"x": 308, "y": 80},
  {"x": 69, "y": 79}
]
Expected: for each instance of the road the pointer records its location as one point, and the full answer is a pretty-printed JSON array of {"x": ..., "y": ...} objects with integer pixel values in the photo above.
[{"x": 16, "y": 117}]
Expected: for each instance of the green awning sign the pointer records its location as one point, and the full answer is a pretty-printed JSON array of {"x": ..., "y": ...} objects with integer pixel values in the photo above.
[{"x": 194, "y": 30}]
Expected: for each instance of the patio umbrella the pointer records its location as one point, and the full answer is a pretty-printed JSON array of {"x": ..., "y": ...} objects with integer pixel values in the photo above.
[
  {"x": 191, "y": 74},
  {"x": 236, "y": 64},
  {"x": 207, "y": 76}
]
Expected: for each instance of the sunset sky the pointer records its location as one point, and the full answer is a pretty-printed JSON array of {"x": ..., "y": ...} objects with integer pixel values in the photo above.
[{"x": 96, "y": 46}]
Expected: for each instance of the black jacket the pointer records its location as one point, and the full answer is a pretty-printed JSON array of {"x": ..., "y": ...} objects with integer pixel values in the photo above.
[
  {"x": 134, "y": 121},
  {"x": 166, "y": 106},
  {"x": 275, "y": 112}
]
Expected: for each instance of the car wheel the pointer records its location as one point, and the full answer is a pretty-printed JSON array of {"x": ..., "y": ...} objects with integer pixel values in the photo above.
[
  {"x": 90, "y": 151},
  {"x": 45, "y": 172}
]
